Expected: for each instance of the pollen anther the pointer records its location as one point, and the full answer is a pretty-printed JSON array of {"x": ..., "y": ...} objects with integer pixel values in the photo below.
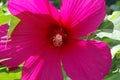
[{"x": 57, "y": 40}]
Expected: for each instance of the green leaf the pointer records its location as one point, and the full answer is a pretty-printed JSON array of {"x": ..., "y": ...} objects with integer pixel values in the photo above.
[
  {"x": 117, "y": 55},
  {"x": 5, "y": 75},
  {"x": 115, "y": 49},
  {"x": 110, "y": 41},
  {"x": 115, "y": 68},
  {"x": 116, "y": 7},
  {"x": 114, "y": 35},
  {"x": 115, "y": 18},
  {"x": 4, "y": 1},
  {"x": 107, "y": 24},
  {"x": 13, "y": 23},
  {"x": 115, "y": 76},
  {"x": 4, "y": 18},
  {"x": 116, "y": 63},
  {"x": 56, "y": 3},
  {"x": 12, "y": 75}
]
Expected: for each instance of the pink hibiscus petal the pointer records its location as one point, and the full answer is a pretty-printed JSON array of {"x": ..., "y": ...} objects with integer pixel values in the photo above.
[
  {"x": 17, "y": 49},
  {"x": 33, "y": 6},
  {"x": 86, "y": 60},
  {"x": 18, "y": 57},
  {"x": 3, "y": 30},
  {"x": 82, "y": 16},
  {"x": 5, "y": 52},
  {"x": 34, "y": 30},
  {"x": 3, "y": 36},
  {"x": 18, "y": 6},
  {"x": 43, "y": 67},
  {"x": 54, "y": 12},
  {"x": 16, "y": 54},
  {"x": 13, "y": 51},
  {"x": 31, "y": 33}
]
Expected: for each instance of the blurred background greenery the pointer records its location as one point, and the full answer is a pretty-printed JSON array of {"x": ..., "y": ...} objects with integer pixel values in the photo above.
[{"x": 108, "y": 31}]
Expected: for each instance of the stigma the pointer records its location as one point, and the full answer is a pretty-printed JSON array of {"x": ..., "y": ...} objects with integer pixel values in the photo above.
[{"x": 57, "y": 40}]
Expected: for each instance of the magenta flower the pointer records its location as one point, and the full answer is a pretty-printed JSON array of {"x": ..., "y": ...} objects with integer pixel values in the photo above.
[{"x": 48, "y": 39}]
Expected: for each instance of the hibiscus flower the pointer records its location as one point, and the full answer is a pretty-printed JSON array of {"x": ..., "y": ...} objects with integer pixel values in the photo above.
[{"x": 48, "y": 39}]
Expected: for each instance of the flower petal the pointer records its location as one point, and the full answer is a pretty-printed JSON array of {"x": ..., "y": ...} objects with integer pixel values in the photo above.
[
  {"x": 3, "y": 35},
  {"x": 43, "y": 67},
  {"x": 32, "y": 6},
  {"x": 82, "y": 16},
  {"x": 28, "y": 37},
  {"x": 18, "y": 57},
  {"x": 13, "y": 51},
  {"x": 18, "y": 6},
  {"x": 87, "y": 60},
  {"x": 3, "y": 30},
  {"x": 34, "y": 28}
]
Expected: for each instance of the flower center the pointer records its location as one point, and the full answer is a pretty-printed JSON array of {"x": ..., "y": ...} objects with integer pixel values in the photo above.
[{"x": 57, "y": 40}]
